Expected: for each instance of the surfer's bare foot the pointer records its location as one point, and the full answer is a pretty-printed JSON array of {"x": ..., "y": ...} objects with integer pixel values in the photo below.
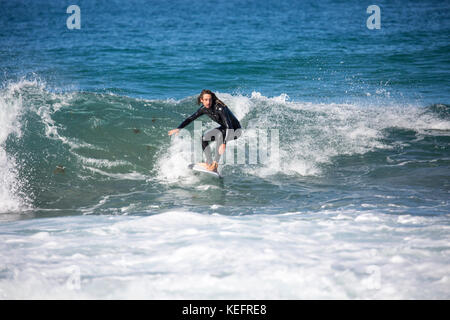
[
  {"x": 203, "y": 164},
  {"x": 213, "y": 166}
]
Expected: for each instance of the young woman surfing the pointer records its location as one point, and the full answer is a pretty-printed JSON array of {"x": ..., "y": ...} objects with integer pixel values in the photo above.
[{"x": 229, "y": 128}]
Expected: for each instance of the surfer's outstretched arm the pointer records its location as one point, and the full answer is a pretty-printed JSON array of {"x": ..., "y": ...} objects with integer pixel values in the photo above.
[
  {"x": 188, "y": 120},
  {"x": 192, "y": 117}
]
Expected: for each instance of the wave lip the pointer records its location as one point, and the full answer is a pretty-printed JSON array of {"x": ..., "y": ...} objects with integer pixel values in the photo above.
[{"x": 12, "y": 198}]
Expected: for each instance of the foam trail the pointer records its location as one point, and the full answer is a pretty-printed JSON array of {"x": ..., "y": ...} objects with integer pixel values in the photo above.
[{"x": 172, "y": 164}]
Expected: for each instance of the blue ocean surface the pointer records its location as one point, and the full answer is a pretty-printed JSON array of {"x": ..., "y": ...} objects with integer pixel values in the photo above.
[{"x": 345, "y": 197}]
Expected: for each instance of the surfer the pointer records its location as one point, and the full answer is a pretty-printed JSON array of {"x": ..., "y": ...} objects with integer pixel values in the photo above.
[{"x": 230, "y": 128}]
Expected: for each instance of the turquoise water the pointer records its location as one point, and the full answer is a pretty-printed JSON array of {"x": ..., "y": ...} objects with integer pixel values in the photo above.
[{"x": 360, "y": 191}]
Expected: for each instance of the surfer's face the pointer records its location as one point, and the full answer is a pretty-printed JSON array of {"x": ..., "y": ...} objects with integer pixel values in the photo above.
[{"x": 206, "y": 99}]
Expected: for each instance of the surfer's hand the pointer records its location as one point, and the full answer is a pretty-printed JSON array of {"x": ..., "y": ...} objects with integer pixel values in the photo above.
[
  {"x": 171, "y": 132},
  {"x": 222, "y": 148}
]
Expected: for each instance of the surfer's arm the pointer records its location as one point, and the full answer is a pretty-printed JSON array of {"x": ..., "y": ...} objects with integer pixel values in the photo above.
[{"x": 191, "y": 118}]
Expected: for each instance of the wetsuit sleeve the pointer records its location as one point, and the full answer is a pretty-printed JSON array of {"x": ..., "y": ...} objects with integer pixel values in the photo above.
[
  {"x": 191, "y": 118},
  {"x": 224, "y": 115}
]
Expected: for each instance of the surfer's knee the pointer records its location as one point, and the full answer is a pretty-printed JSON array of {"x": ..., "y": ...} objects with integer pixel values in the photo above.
[{"x": 204, "y": 144}]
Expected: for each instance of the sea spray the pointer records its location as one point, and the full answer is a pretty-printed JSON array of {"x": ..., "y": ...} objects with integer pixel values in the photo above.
[{"x": 12, "y": 198}]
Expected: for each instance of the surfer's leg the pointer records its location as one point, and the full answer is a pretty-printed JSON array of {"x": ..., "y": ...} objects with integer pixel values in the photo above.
[
  {"x": 234, "y": 134},
  {"x": 207, "y": 150},
  {"x": 219, "y": 143},
  {"x": 210, "y": 135}
]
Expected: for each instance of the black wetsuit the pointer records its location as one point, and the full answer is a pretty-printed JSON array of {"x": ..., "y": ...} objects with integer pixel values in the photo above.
[{"x": 229, "y": 129}]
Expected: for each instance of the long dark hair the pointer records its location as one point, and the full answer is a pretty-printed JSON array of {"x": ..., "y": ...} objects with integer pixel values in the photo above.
[{"x": 213, "y": 95}]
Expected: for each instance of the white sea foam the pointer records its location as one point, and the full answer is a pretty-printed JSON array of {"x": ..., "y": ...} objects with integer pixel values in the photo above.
[
  {"x": 120, "y": 176},
  {"x": 172, "y": 164},
  {"x": 182, "y": 254},
  {"x": 103, "y": 163},
  {"x": 311, "y": 134},
  {"x": 240, "y": 105},
  {"x": 11, "y": 107}
]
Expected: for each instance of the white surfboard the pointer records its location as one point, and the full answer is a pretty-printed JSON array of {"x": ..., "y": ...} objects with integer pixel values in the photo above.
[{"x": 197, "y": 168}]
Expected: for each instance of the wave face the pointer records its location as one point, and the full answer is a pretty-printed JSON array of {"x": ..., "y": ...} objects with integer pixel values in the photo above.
[{"x": 85, "y": 152}]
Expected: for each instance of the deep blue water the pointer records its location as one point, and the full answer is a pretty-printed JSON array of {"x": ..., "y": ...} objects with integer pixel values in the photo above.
[{"x": 312, "y": 51}]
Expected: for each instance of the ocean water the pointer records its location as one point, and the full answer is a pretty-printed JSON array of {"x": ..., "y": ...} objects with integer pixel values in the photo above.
[{"x": 95, "y": 198}]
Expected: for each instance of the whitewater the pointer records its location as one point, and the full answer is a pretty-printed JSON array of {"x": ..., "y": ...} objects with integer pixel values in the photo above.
[{"x": 96, "y": 201}]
